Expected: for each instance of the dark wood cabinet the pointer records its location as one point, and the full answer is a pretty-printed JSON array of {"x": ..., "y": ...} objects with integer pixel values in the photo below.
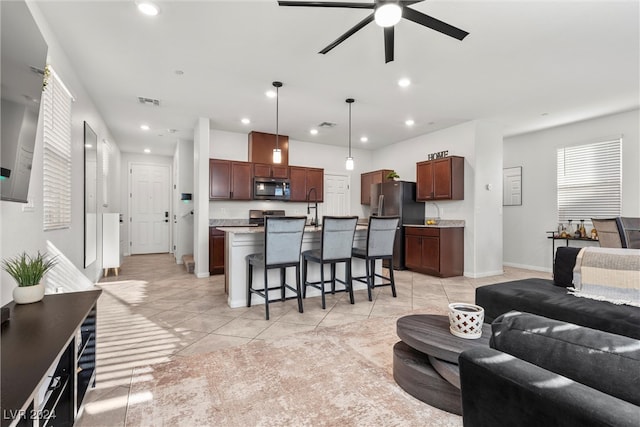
[
  {"x": 368, "y": 178},
  {"x": 302, "y": 179},
  {"x": 263, "y": 170},
  {"x": 50, "y": 344},
  {"x": 261, "y": 147},
  {"x": 230, "y": 180},
  {"x": 441, "y": 179},
  {"x": 216, "y": 251},
  {"x": 435, "y": 251}
]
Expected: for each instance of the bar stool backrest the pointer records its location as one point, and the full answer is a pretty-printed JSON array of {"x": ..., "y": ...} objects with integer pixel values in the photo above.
[
  {"x": 608, "y": 232},
  {"x": 381, "y": 235},
  {"x": 283, "y": 239},
  {"x": 337, "y": 236},
  {"x": 630, "y": 227}
]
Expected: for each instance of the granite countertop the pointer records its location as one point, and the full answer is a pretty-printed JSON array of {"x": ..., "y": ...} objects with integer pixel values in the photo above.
[
  {"x": 230, "y": 223},
  {"x": 256, "y": 229},
  {"x": 443, "y": 223}
]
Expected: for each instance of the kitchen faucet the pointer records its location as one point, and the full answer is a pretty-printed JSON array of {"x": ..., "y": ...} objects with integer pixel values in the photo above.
[{"x": 315, "y": 204}]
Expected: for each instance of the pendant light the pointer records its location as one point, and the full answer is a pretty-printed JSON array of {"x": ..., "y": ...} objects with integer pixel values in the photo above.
[
  {"x": 277, "y": 153},
  {"x": 349, "y": 163}
]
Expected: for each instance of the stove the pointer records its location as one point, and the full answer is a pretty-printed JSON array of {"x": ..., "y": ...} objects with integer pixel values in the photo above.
[{"x": 257, "y": 216}]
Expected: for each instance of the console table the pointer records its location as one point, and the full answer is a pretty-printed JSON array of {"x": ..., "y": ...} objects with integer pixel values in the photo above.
[
  {"x": 425, "y": 362},
  {"x": 553, "y": 238},
  {"x": 48, "y": 359}
]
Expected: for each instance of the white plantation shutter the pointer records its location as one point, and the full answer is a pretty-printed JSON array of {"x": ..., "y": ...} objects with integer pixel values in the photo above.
[
  {"x": 590, "y": 181},
  {"x": 57, "y": 155}
]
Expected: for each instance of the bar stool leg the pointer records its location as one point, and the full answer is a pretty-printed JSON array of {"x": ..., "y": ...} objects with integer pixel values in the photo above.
[
  {"x": 266, "y": 293},
  {"x": 249, "y": 283},
  {"x": 324, "y": 306},
  {"x": 283, "y": 272},
  {"x": 368, "y": 267},
  {"x": 300, "y": 309},
  {"x": 304, "y": 277},
  {"x": 349, "y": 279},
  {"x": 333, "y": 278},
  {"x": 393, "y": 282}
]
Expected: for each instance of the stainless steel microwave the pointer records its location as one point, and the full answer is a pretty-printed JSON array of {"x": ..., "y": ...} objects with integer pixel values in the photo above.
[{"x": 271, "y": 189}]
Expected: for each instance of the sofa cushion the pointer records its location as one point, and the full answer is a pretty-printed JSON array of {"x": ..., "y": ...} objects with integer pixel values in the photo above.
[
  {"x": 563, "y": 266},
  {"x": 601, "y": 360},
  {"x": 540, "y": 296}
]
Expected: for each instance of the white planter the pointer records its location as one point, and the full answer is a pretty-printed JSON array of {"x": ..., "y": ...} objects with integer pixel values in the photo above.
[
  {"x": 28, "y": 294},
  {"x": 465, "y": 320}
]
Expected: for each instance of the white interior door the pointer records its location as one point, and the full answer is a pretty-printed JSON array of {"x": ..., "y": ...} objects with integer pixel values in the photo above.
[
  {"x": 336, "y": 195},
  {"x": 149, "y": 207}
]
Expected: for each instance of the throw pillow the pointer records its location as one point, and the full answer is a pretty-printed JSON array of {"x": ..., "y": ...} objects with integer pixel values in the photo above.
[{"x": 563, "y": 266}]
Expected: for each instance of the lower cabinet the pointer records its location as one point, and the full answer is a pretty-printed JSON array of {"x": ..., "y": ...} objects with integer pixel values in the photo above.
[
  {"x": 216, "y": 251},
  {"x": 435, "y": 251}
]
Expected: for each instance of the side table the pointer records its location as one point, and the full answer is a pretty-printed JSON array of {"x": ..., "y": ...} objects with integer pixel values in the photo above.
[{"x": 425, "y": 362}]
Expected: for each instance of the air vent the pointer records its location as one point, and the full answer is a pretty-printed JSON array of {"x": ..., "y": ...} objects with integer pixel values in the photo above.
[
  {"x": 326, "y": 125},
  {"x": 148, "y": 101}
]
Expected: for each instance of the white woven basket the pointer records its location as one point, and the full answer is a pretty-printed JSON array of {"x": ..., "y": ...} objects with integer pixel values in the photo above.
[{"x": 465, "y": 320}]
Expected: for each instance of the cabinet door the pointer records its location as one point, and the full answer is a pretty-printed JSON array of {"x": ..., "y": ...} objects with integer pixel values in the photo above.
[
  {"x": 315, "y": 179},
  {"x": 365, "y": 188},
  {"x": 216, "y": 251},
  {"x": 431, "y": 253},
  {"x": 279, "y": 171},
  {"x": 424, "y": 181},
  {"x": 219, "y": 179},
  {"x": 241, "y": 181},
  {"x": 413, "y": 251},
  {"x": 261, "y": 170},
  {"x": 298, "y": 180},
  {"x": 442, "y": 179}
]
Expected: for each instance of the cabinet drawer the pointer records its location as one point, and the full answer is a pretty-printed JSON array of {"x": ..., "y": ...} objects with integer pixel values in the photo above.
[{"x": 422, "y": 231}]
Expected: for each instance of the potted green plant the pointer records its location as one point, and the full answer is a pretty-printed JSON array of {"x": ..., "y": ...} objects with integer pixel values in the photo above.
[
  {"x": 393, "y": 175},
  {"x": 28, "y": 271}
]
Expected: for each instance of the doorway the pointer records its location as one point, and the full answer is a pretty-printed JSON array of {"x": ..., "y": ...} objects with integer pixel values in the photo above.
[
  {"x": 149, "y": 208},
  {"x": 336, "y": 194}
]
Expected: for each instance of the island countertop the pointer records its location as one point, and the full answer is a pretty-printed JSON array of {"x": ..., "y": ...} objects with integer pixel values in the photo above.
[
  {"x": 260, "y": 229},
  {"x": 443, "y": 223}
]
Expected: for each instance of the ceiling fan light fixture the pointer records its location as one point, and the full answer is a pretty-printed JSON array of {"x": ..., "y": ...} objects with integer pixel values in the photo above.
[{"x": 388, "y": 14}]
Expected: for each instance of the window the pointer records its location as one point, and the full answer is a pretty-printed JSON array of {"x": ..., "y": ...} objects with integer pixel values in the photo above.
[
  {"x": 590, "y": 180},
  {"x": 57, "y": 154}
]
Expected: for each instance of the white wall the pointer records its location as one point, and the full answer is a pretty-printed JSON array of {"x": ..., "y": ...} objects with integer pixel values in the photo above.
[
  {"x": 525, "y": 241},
  {"x": 23, "y": 230},
  {"x": 183, "y": 211}
]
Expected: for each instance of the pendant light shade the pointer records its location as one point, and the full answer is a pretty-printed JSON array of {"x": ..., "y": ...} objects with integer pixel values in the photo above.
[
  {"x": 349, "y": 164},
  {"x": 277, "y": 153}
]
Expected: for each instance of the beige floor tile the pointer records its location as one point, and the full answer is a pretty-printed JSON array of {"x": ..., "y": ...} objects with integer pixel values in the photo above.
[
  {"x": 171, "y": 318},
  {"x": 204, "y": 323},
  {"x": 337, "y": 318},
  {"x": 281, "y": 329},
  {"x": 245, "y": 328},
  {"x": 106, "y": 409},
  {"x": 277, "y": 309},
  {"x": 212, "y": 342},
  {"x": 362, "y": 307}
]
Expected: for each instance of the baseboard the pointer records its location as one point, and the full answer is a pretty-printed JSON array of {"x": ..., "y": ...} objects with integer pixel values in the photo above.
[
  {"x": 484, "y": 274},
  {"x": 202, "y": 275},
  {"x": 528, "y": 267}
]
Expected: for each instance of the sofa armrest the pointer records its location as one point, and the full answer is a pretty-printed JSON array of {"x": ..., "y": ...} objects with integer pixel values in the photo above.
[{"x": 499, "y": 389}]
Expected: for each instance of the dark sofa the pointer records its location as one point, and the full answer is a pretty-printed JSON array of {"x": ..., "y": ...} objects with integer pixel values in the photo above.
[
  {"x": 549, "y": 298},
  {"x": 544, "y": 372}
]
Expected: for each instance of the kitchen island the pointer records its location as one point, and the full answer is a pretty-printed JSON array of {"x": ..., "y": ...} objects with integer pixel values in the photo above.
[{"x": 242, "y": 241}]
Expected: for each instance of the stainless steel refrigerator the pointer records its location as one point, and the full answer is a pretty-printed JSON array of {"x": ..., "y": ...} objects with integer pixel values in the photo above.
[{"x": 397, "y": 198}]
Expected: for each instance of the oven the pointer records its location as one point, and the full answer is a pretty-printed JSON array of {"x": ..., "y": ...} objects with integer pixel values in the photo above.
[{"x": 256, "y": 217}]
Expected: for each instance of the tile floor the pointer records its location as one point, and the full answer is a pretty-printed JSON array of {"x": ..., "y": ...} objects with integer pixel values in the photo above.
[{"x": 154, "y": 311}]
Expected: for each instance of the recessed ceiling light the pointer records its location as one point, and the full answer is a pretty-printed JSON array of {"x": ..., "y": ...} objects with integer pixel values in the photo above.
[
  {"x": 144, "y": 127},
  {"x": 364, "y": 139},
  {"x": 245, "y": 121},
  {"x": 179, "y": 72},
  {"x": 146, "y": 150},
  {"x": 544, "y": 114},
  {"x": 404, "y": 82},
  {"x": 313, "y": 131},
  {"x": 88, "y": 145},
  {"x": 271, "y": 93},
  {"x": 409, "y": 122},
  {"x": 148, "y": 8}
]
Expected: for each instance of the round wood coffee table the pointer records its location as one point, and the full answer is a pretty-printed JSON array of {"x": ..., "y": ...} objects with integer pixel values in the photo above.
[{"x": 425, "y": 362}]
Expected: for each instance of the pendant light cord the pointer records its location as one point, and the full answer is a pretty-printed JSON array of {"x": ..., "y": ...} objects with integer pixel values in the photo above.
[
  {"x": 277, "y": 114},
  {"x": 349, "y": 129}
]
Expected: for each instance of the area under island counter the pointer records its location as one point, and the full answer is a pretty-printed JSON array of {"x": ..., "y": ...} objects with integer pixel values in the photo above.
[{"x": 242, "y": 241}]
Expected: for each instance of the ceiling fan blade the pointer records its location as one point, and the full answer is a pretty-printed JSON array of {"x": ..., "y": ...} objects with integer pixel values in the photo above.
[
  {"x": 388, "y": 44},
  {"x": 348, "y": 5},
  {"x": 348, "y": 34},
  {"x": 433, "y": 23}
]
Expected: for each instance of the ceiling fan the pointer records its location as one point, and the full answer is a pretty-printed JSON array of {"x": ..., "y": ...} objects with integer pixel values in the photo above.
[{"x": 387, "y": 14}]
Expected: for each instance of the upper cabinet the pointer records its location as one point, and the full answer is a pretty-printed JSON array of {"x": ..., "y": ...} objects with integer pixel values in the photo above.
[
  {"x": 261, "y": 147},
  {"x": 230, "y": 180},
  {"x": 441, "y": 179},
  {"x": 262, "y": 170},
  {"x": 368, "y": 178},
  {"x": 302, "y": 180}
]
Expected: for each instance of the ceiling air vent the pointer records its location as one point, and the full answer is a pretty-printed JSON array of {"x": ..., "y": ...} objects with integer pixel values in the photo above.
[
  {"x": 326, "y": 125},
  {"x": 148, "y": 101}
]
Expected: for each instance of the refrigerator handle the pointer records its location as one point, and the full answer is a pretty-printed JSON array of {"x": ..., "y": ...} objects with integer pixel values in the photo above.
[{"x": 381, "y": 205}]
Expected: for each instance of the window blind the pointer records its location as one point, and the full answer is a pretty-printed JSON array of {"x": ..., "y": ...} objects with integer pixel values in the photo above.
[
  {"x": 590, "y": 181},
  {"x": 57, "y": 155}
]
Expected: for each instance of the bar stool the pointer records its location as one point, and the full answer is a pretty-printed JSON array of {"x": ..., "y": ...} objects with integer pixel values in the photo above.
[
  {"x": 335, "y": 247},
  {"x": 381, "y": 235},
  {"x": 282, "y": 245}
]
